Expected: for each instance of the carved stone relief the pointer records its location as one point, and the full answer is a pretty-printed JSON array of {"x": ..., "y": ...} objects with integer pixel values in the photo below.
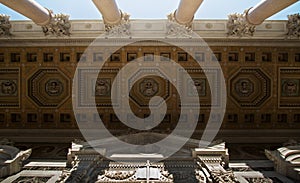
[
  {"x": 92, "y": 88},
  {"x": 120, "y": 29},
  {"x": 212, "y": 165},
  {"x": 174, "y": 29},
  {"x": 58, "y": 26},
  {"x": 237, "y": 25},
  {"x": 250, "y": 87},
  {"x": 4, "y": 25},
  {"x": 259, "y": 180},
  {"x": 149, "y": 87},
  {"x": 290, "y": 87},
  {"x": 135, "y": 172},
  {"x": 244, "y": 87},
  {"x": 102, "y": 87},
  {"x": 293, "y": 26},
  {"x": 199, "y": 84},
  {"x": 8, "y": 87},
  {"x": 54, "y": 87},
  {"x": 221, "y": 176},
  {"x": 143, "y": 89},
  {"x": 48, "y": 87},
  {"x": 117, "y": 175}
]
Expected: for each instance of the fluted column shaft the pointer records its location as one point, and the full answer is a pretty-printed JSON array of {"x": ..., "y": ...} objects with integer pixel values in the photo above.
[
  {"x": 265, "y": 9},
  {"x": 109, "y": 10},
  {"x": 186, "y": 11},
  {"x": 30, "y": 9}
]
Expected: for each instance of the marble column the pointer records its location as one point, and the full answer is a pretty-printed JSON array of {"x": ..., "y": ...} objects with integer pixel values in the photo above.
[
  {"x": 265, "y": 9},
  {"x": 31, "y": 9},
  {"x": 186, "y": 10},
  {"x": 109, "y": 10}
]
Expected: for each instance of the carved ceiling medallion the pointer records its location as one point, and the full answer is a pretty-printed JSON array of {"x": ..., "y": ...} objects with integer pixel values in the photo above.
[
  {"x": 244, "y": 87},
  {"x": 250, "y": 87},
  {"x": 8, "y": 88},
  {"x": 54, "y": 87},
  {"x": 148, "y": 87}
]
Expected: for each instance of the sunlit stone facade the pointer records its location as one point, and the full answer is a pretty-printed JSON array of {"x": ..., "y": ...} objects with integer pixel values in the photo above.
[{"x": 260, "y": 65}]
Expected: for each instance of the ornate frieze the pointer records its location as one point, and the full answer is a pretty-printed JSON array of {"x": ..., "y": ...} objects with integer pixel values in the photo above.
[
  {"x": 293, "y": 26},
  {"x": 136, "y": 172},
  {"x": 117, "y": 175},
  {"x": 220, "y": 176},
  {"x": 174, "y": 29},
  {"x": 122, "y": 28},
  {"x": 58, "y": 26},
  {"x": 238, "y": 25},
  {"x": 259, "y": 180},
  {"x": 4, "y": 25}
]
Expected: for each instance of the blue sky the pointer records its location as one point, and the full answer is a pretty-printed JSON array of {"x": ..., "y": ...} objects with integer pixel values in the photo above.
[{"x": 151, "y": 9}]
